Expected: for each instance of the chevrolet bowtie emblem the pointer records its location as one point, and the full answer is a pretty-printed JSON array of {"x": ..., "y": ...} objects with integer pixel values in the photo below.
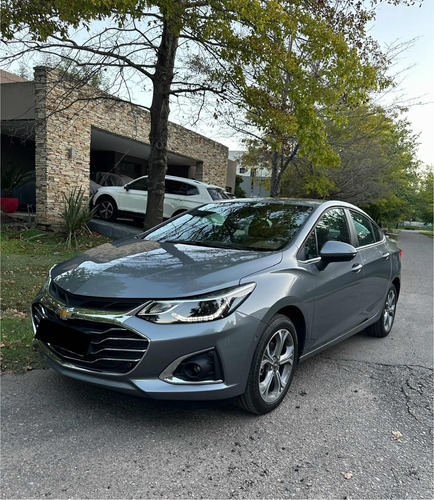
[{"x": 65, "y": 313}]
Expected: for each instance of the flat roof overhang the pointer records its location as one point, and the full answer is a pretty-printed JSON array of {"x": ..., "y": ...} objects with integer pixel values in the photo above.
[{"x": 102, "y": 140}]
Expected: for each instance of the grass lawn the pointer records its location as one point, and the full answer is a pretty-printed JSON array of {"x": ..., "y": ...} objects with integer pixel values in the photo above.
[{"x": 26, "y": 257}]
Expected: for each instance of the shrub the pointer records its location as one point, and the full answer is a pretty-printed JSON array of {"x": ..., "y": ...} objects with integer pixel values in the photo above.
[
  {"x": 75, "y": 215},
  {"x": 13, "y": 178}
]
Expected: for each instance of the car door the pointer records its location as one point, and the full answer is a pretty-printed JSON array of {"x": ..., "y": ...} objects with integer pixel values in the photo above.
[
  {"x": 134, "y": 196},
  {"x": 338, "y": 287},
  {"x": 376, "y": 260}
]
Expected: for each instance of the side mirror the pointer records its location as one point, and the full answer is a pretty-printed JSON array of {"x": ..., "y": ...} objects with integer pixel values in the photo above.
[
  {"x": 335, "y": 251},
  {"x": 126, "y": 187}
]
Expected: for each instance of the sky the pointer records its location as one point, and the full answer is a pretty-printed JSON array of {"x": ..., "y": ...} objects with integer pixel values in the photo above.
[
  {"x": 417, "y": 80},
  {"x": 415, "y": 67}
]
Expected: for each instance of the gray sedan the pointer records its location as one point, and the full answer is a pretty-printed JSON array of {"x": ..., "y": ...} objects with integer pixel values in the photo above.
[{"x": 222, "y": 301}]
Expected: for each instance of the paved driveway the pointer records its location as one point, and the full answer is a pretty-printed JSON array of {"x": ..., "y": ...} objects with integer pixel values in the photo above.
[{"x": 63, "y": 439}]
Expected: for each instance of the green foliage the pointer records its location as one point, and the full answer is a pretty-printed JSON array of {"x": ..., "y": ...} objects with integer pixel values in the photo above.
[
  {"x": 378, "y": 169},
  {"x": 13, "y": 178},
  {"x": 75, "y": 215},
  {"x": 239, "y": 191},
  {"x": 288, "y": 66},
  {"x": 26, "y": 257},
  {"x": 424, "y": 199},
  {"x": 79, "y": 72},
  {"x": 321, "y": 63}
]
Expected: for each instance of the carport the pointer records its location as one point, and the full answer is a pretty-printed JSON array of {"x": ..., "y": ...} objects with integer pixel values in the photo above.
[
  {"x": 68, "y": 133},
  {"x": 123, "y": 155}
]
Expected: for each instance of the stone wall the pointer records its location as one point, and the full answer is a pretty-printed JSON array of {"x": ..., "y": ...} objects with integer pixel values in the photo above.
[{"x": 65, "y": 116}]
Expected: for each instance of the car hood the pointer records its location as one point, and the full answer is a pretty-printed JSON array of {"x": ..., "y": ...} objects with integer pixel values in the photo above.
[{"x": 136, "y": 268}]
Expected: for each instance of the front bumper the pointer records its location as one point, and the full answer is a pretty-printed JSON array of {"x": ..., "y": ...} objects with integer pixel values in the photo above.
[{"x": 233, "y": 338}]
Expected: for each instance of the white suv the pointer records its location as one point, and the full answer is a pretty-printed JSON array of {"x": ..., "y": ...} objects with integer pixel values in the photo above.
[{"x": 130, "y": 200}]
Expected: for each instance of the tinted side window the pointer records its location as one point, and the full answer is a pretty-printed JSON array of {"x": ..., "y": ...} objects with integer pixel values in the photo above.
[
  {"x": 180, "y": 188},
  {"x": 310, "y": 248},
  {"x": 332, "y": 227},
  {"x": 140, "y": 184},
  {"x": 217, "y": 194},
  {"x": 364, "y": 231},
  {"x": 378, "y": 232},
  {"x": 190, "y": 190},
  {"x": 172, "y": 187}
]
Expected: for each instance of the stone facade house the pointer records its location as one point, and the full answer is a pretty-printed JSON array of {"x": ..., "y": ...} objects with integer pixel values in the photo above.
[{"x": 70, "y": 132}]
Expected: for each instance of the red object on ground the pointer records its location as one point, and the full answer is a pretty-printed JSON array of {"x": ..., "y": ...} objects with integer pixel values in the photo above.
[{"x": 9, "y": 205}]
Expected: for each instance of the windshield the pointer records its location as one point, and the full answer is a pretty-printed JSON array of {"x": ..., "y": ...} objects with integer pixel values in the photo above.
[{"x": 255, "y": 225}]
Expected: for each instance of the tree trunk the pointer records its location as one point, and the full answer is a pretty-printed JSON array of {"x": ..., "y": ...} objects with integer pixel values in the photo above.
[
  {"x": 278, "y": 166},
  {"x": 162, "y": 81},
  {"x": 275, "y": 177}
]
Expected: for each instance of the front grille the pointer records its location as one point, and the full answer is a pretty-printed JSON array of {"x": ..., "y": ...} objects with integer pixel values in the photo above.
[
  {"x": 95, "y": 303},
  {"x": 113, "y": 348}
]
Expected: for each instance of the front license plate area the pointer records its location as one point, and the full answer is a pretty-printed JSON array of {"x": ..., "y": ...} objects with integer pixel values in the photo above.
[{"x": 63, "y": 336}]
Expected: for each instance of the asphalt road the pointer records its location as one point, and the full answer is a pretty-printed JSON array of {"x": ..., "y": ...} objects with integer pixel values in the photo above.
[{"x": 63, "y": 439}]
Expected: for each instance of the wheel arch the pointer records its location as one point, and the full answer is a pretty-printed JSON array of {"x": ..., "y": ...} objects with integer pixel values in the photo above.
[
  {"x": 104, "y": 196},
  {"x": 397, "y": 284},
  {"x": 296, "y": 316}
]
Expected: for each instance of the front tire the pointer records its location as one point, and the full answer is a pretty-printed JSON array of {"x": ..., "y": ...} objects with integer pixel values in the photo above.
[
  {"x": 384, "y": 325},
  {"x": 107, "y": 209},
  {"x": 272, "y": 367}
]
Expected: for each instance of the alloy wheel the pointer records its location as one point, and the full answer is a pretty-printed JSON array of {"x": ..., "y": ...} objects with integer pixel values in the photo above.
[
  {"x": 106, "y": 210},
  {"x": 389, "y": 310},
  {"x": 276, "y": 366}
]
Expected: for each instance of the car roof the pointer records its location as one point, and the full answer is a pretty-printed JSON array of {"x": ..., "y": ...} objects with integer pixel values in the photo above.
[
  {"x": 297, "y": 201},
  {"x": 318, "y": 206},
  {"x": 182, "y": 179}
]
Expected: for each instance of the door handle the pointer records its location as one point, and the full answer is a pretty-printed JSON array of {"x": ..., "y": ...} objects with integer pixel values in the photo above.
[
  {"x": 356, "y": 268},
  {"x": 386, "y": 255}
]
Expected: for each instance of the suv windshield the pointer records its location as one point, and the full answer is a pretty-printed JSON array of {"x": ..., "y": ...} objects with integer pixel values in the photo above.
[{"x": 255, "y": 225}]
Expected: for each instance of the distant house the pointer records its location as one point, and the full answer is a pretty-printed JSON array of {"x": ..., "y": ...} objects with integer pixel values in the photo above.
[
  {"x": 68, "y": 133},
  {"x": 256, "y": 180}
]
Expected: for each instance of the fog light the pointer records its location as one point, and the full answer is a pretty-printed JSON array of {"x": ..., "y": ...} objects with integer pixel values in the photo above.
[{"x": 205, "y": 366}]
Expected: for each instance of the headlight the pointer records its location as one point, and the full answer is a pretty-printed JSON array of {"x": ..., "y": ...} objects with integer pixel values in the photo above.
[{"x": 197, "y": 309}]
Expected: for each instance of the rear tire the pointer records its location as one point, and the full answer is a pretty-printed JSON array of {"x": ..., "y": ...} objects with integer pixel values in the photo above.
[
  {"x": 384, "y": 325},
  {"x": 272, "y": 367},
  {"x": 107, "y": 209}
]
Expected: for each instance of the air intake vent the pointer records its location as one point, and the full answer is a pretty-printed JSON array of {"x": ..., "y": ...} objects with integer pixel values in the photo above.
[{"x": 112, "y": 348}]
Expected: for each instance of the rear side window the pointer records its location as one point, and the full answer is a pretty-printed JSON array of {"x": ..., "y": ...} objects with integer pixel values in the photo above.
[
  {"x": 180, "y": 188},
  {"x": 364, "y": 231},
  {"x": 218, "y": 194},
  {"x": 378, "y": 232}
]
